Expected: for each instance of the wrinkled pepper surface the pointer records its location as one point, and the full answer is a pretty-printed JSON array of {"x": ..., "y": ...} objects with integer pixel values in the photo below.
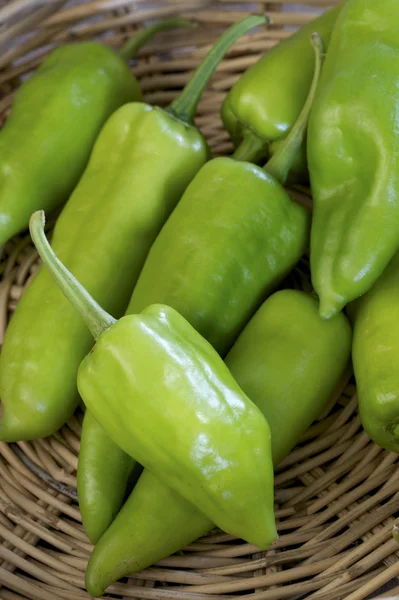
[
  {"x": 266, "y": 101},
  {"x": 141, "y": 163},
  {"x": 375, "y": 358},
  {"x": 289, "y": 362},
  {"x": 220, "y": 253},
  {"x": 55, "y": 119},
  {"x": 353, "y": 155},
  {"x": 163, "y": 394}
]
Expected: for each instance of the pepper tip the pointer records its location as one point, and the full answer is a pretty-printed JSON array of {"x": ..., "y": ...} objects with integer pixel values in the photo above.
[
  {"x": 330, "y": 307},
  {"x": 327, "y": 314}
]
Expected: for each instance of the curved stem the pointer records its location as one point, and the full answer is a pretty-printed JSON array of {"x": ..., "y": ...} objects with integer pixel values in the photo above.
[
  {"x": 132, "y": 46},
  {"x": 252, "y": 148},
  {"x": 96, "y": 319},
  {"x": 185, "y": 105},
  {"x": 280, "y": 164}
]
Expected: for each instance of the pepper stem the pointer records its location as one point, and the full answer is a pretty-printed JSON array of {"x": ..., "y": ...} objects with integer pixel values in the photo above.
[
  {"x": 282, "y": 161},
  {"x": 132, "y": 46},
  {"x": 185, "y": 105},
  {"x": 96, "y": 319},
  {"x": 252, "y": 148}
]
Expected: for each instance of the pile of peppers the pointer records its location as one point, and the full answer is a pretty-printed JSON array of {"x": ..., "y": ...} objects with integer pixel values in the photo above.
[{"x": 165, "y": 300}]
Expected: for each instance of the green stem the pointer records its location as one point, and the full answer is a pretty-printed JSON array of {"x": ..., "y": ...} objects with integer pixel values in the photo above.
[
  {"x": 96, "y": 319},
  {"x": 281, "y": 162},
  {"x": 185, "y": 105},
  {"x": 252, "y": 148},
  {"x": 132, "y": 46}
]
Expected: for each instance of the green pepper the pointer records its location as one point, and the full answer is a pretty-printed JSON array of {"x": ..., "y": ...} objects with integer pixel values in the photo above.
[
  {"x": 141, "y": 163},
  {"x": 219, "y": 254},
  {"x": 232, "y": 239},
  {"x": 163, "y": 394},
  {"x": 375, "y": 358},
  {"x": 289, "y": 362},
  {"x": 266, "y": 101},
  {"x": 55, "y": 119},
  {"x": 97, "y": 460},
  {"x": 235, "y": 224},
  {"x": 353, "y": 155},
  {"x": 104, "y": 478}
]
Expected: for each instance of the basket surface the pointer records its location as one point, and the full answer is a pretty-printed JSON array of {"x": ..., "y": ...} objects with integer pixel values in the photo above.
[{"x": 336, "y": 496}]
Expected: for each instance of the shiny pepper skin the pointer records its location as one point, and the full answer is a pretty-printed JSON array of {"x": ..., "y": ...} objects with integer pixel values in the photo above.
[
  {"x": 101, "y": 486},
  {"x": 98, "y": 463},
  {"x": 142, "y": 161},
  {"x": 166, "y": 398},
  {"x": 215, "y": 214},
  {"x": 289, "y": 362},
  {"x": 353, "y": 155},
  {"x": 56, "y": 116},
  {"x": 140, "y": 166},
  {"x": 220, "y": 253},
  {"x": 55, "y": 119},
  {"x": 231, "y": 240},
  {"x": 162, "y": 393},
  {"x": 375, "y": 358},
  {"x": 267, "y": 99}
]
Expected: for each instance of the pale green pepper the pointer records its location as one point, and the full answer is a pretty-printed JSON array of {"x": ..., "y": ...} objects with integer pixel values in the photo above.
[
  {"x": 289, "y": 361},
  {"x": 164, "y": 395}
]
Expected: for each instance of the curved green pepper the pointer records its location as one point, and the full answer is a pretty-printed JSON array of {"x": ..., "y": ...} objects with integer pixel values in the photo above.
[
  {"x": 266, "y": 101},
  {"x": 353, "y": 155},
  {"x": 220, "y": 253},
  {"x": 237, "y": 223},
  {"x": 55, "y": 119},
  {"x": 231, "y": 240},
  {"x": 163, "y": 394},
  {"x": 142, "y": 161},
  {"x": 375, "y": 358},
  {"x": 289, "y": 362},
  {"x": 98, "y": 463}
]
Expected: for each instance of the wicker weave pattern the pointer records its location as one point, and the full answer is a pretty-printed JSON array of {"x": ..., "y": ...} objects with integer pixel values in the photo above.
[{"x": 336, "y": 494}]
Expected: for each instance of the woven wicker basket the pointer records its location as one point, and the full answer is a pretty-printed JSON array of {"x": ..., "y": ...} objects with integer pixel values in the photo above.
[{"x": 336, "y": 494}]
